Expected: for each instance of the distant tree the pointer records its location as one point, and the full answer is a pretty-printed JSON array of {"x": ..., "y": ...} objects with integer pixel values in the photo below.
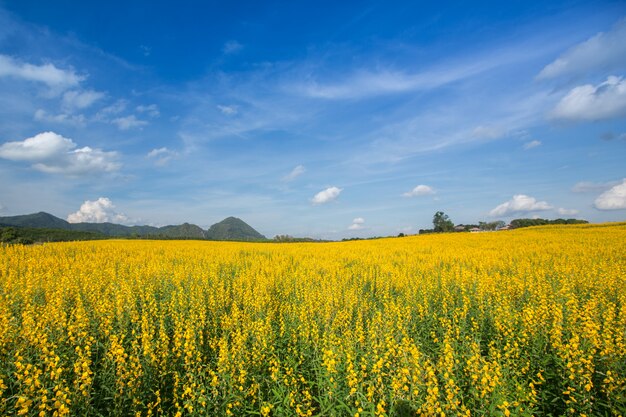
[
  {"x": 442, "y": 222},
  {"x": 400, "y": 234}
]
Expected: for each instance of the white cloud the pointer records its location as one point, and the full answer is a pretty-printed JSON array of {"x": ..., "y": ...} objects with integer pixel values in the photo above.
[
  {"x": 115, "y": 108},
  {"x": 326, "y": 196},
  {"x": 589, "y": 187},
  {"x": 295, "y": 173},
  {"x": 76, "y": 99},
  {"x": 566, "y": 212},
  {"x": 228, "y": 110},
  {"x": 71, "y": 119},
  {"x": 604, "y": 51},
  {"x": 488, "y": 132},
  {"x": 232, "y": 47},
  {"x": 151, "y": 110},
  {"x": 520, "y": 203},
  {"x": 532, "y": 144},
  {"x": 53, "y": 77},
  {"x": 612, "y": 199},
  {"x": 128, "y": 122},
  {"x": 588, "y": 102},
  {"x": 52, "y": 153},
  {"x": 357, "y": 224},
  {"x": 97, "y": 211},
  {"x": 161, "y": 156},
  {"x": 419, "y": 191}
]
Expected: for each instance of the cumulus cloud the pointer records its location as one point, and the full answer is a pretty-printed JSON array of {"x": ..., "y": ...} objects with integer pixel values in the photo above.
[
  {"x": 295, "y": 173},
  {"x": 604, "y": 51},
  {"x": 128, "y": 122},
  {"x": 531, "y": 144},
  {"x": 63, "y": 118},
  {"x": 98, "y": 211},
  {"x": 566, "y": 212},
  {"x": 162, "y": 156},
  {"x": 612, "y": 199},
  {"x": 326, "y": 196},
  {"x": 151, "y": 110},
  {"x": 227, "y": 110},
  {"x": 75, "y": 99},
  {"x": 52, "y": 153},
  {"x": 588, "y": 102},
  {"x": 590, "y": 187},
  {"x": 232, "y": 47},
  {"x": 357, "y": 224},
  {"x": 419, "y": 191},
  {"x": 520, "y": 203},
  {"x": 55, "y": 78}
]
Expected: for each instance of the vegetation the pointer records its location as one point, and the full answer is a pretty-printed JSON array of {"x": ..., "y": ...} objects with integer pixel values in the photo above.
[
  {"x": 517, "y": 223},
  {"x": 28, "y": 235},
  {"x": 442, "y": 223},
  {"x": 529, "y": 322}
]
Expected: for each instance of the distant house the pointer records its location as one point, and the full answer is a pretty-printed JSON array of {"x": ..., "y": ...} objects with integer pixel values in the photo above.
[
  {"x": 507, "y": 227},
  {"x": 459, "y": 228},
  {"x": 475, "y": 230}
]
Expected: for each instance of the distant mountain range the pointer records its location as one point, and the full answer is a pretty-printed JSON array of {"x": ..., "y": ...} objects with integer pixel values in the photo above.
[{"x": 230, "y": 228}]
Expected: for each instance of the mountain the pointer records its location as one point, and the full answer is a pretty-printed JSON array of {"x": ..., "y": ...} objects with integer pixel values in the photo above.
[
  {"x": 232, "y": 228},
  {"x": 40, "y": 219},
  {"x": 184, "y": 230}
]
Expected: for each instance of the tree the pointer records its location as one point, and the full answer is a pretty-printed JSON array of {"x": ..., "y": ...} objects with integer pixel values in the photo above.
[{"x": 442, "y": 222}]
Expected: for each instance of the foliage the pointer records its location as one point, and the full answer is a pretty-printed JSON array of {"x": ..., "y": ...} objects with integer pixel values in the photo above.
[
  {"x": 442, "y": 223},
  {"x": 517, "y": 223},
  {"x": 27, "y": 235},
  {"x": 529, "y": 322}
]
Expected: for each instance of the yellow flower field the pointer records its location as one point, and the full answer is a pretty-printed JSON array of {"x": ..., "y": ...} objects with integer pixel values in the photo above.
[{"x": 523, "y": 322}]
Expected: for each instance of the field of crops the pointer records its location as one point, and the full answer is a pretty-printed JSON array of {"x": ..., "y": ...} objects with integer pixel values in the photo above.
[{"x": 524, "y": 322}]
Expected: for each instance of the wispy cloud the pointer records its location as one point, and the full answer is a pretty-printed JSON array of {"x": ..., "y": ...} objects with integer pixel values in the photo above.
[
  {"x": 151, "y": 110},
  {"x": 56, "y": 78},
  {"x": 591, "y": 187},
  {"x": 129, "y": 122},
  {"x": 227, "y": 110},
  {"x": 162, "y": 156},
  {"x": 80, "y": 99},
  {"x": 231, "y": 47},
  {"x": 63, "y": 118},
  {"x": 566, "y": 212},
  {"x": 295, "y": 173},
  {"x": 531, "y": 144},
  {"x": 604, "y": 51}
]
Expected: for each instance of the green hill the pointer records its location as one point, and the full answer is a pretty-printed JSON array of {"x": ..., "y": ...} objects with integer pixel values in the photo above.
[
  {"x": 40, "y": 219},
  {"x": 232, "y": 228},
  {"x": 184, "y": 230}
]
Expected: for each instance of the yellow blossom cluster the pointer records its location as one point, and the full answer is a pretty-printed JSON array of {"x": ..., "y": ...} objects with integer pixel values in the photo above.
[{"x": 528, "y": 322}]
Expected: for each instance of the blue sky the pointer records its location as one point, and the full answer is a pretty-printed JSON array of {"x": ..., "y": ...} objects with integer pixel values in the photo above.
[{"x": 313, "y": 119}]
